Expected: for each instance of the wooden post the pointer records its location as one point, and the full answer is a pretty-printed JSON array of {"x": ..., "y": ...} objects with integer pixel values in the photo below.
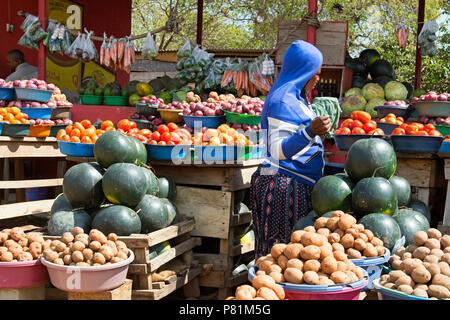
[
  {"x": 42, "y": 10},
  {"x": 311, "y": 33},
  {"x": 199, "y": 21},
  {"x": 420, "y": 21}
]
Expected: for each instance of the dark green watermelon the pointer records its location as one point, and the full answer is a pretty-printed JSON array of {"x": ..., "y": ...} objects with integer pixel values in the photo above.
[
  {"x": 65, "y": 221},
  {"x": 328, "y": 214},
  {"x": 373, "y": 195},
  {"x": 241, "y": 208},
  {"x": 417, "y": 215},
  {"x": 408, "y": 87},
  {"x": 114, "y": 147},
  {"x": 82, "y": 186},
  {"x": 331, "y": 193},
  {"x": 117, "y": 219},
  {"x": 380, "y": 68},
  {"x": 358, "y": 82},
  {"x": 346, "y": 179},
  {"x": 167, "y": 188},
  {"x": 409, "y": 225},
  {"x": 370, "y": 157},
  {"x": 172, "y": 210},
  {"x": 153, "y": 213},
  {"x": 152, "y": 181},
  {"x": 369, "y": 56},
  {"x": 60, "y": 204},
  {"x": 383, "y": 80},
  {"x": 384, "y": 227},
  {"x": 305, "y": 221},
  {"x": 239, "y": 196},
  {"x": 421, "y": 207},
  {"x": 141, "y": 151},
  {"x": 402, "y": 189},
  {"x": 125, "y": 184}
]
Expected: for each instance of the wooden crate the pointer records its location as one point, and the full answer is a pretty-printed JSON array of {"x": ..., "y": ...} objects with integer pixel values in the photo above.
[{"x": 446, "y": 218}]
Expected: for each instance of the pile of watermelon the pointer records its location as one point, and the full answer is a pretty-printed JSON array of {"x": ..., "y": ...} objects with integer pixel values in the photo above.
[
  {"x": 370, "y": 190},
  {"x": 116, "y": 194}
]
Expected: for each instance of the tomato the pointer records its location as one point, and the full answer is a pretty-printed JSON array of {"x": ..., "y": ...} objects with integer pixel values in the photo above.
[
  {"x": 346, "y": 123},
  {"x": 65, "y": 138},
  {"x": 88, "y": 132},
  {"x": 124, "y": 124},
  {"x": 175, "y": 137},
  {"x": 78, "y": 126},
  {"x": 120, "y": 130},
  {"x": 362, "y": 116},
  {"x": 75, "y": 133},
  {"x": 391, "y": 120},
  {"x": 110, "y": 129},
  {"x": 86, "y": 124},
  {"x": 60, "y": 134},
  {"x": 398, "y": 131},
  {"x": 399, "y": 122},
  {"x": 356, "y": 124},
  {"x": 337, "y": 131},
  {"x": 99, "y": 132},
  {"x": 383, "y": 120},
  {"x": 105, "y": 124},
  {"x": 134, "y": 130},
  {"x": 390, "y": 115},
  {"x": 171, "y": 143},
  {"x": 420, "y": 133},
  {"x": 379, "y": 131},
  {"x": 141, "y": 137},
  {"x": 146, "y": 132},
  {"x": 172, "y": 126},
  {"x": 434, "y": 133},
  {"x": 403, "y": 125},
  {"x": 429, "y": 127},
  {"x": 156, "y": 136},
  {"x": 358, "y": 130},
  {"x": 75, "y": 139},
  {"x": 162, "y": 143},
  {"x": 370, "y": 125},
  {"x": 94, "y": 139},
  {"x": 166, "y": 137},
  {"x": 163, "y": 128},
  {"x": 411, "y": 128},
  {"x": 346, "y": 130},
  {"x": 133, "y": 125},
  {"x": 86, "y": 139},
  {"x": 153, "y": 142},
  {"x": 400, "y": 119}
]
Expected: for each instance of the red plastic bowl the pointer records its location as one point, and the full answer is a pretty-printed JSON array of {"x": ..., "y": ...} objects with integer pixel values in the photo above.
[{"x": 25, "y": 274}]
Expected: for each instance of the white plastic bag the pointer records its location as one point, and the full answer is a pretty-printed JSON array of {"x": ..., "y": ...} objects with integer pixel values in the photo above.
[{"x": 149, "y": 50}]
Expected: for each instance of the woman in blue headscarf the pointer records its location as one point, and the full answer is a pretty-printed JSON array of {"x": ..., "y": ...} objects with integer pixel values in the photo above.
[{"x": 281, "y": 187}]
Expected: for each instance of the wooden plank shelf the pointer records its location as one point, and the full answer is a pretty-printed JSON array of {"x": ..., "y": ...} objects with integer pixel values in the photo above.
[
  {"x": 240, "y": 219},
  {"x": 243, "y": 248}
]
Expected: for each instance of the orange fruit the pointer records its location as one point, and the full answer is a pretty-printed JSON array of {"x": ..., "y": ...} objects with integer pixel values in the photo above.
[
  {"x": 65, "y": 138},
  {"x": 15, "y": 110},
  {"x": 105, "y": 124},
  {"x": 86, "y": 139},
  {"x": 75, "y": 133},
  {"x": 88, "y": 132},
  {"x": 60, "y": 134},
  {"x": 99, "y": 132},
  {"x": 109, "y": 129},
  {"x": 69, "y": 129},
  {"x": 78, "y": 126},
  {"x": 75, "y": 139},
  {"x": 86, "y": 124}
]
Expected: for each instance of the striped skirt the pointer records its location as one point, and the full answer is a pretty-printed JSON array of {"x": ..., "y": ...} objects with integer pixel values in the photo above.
[{"x": 277, "y": 202}]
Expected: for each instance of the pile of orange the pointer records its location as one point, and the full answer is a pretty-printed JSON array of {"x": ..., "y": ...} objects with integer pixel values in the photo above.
[
  {"x": 416, "y": 129},
  {"x": 13, "y": 115},
  {"x": 360, "y": 123},
  {"x": 80, "y": 132},
  {"x": 391, "y": 118}
]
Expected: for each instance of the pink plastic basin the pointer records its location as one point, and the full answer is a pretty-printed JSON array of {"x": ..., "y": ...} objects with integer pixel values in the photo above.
[
  {"x": 88, "y": 279},
  {"x": 24, "y": 274}
]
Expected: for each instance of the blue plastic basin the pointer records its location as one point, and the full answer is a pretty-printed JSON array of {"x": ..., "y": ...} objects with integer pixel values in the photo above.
[
  {"x": 400, "y": 111},
  {"x": 37, "y": 113},
  {"x": 387, "y": 127},
  {"x": 445, "y": 147},
  {"x": 29, "y": 94},
  {"x": 416, "y": 144},
  {"x": 390, "y": 294},
  {"x": 168, "y": 152},
  {"x": 209, "y": 122},
  {"x": 76, "y": 149},
  {"x": 7, "y": 94},
  {"x": 373, "y": 266},
  {"x": 345, "y": 141}
]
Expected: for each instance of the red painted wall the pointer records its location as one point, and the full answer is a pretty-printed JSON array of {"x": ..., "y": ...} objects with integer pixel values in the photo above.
[{"x": 112, "y": 16}]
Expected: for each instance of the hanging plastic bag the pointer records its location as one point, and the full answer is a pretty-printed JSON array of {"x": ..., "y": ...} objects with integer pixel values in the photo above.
[
  {"x": 261, "y": 82},
  {"x": 121, "y": 43},
  {"x": 402, "y": 33},
  {"x": 129, "y": 56},
  {"x": 102, "y": 50},
  {"x": 427, "y": 38},
  {"x": 66, "y": 41},
  {"x": 28, "y": 21},
  {"x": 268, "y": 67},
  {"x": 50, "y": 29},
  {"x": 149, "y": 50},
  {"x": 90, "y": 52},
  {"x": 185, "y": 50},
  {"x": 71, "y": 51},
  {"x": 113, "y": 52}
]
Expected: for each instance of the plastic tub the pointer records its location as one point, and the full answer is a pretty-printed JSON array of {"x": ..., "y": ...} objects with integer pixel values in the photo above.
[
  {"x": 146, "y": 109},
  {"x": 249, "y": 119},
  {"x": 40, "y": 131},
  {"x": 76, "y": 149},
  {"x": 399, "y": 111},
  {"x": 88, "y": 279},
  {"x": 345, "y": 141},
  {"x": 38, "y": 113},
  {"x": 387, "y": 127},
  {"x": 409, "y": 143},
  {"x": 204, "y": 121},
  {"x": 444, "y": 130},
  {"x": 390, "y": 294},
  {"x": 333, "y": 168},
  {"x": 115, "y": 100},
  {"x": 171, "y": 115},
  {"x": 168, "y": 152},
  {"x": 445, "y": 147},
  {"x": 373, "y": 266},
  {"x": 24, "y": 274},
  {"x": 1, "y": 126},
  {"x": 7, "y": 94},
  {"x": 16, "y": 129},
  {"x": 29, "y": 94},
  {"x": 91, "y": 99},
  {"x": 143, "y": 124},
  {"x": 221, "y": 153},
  {"x": 432, "y": 108},
  {"x": 61, "y": 113},
  {"x": 347, "y": 291},
  {"x": 55, "y": 128}
]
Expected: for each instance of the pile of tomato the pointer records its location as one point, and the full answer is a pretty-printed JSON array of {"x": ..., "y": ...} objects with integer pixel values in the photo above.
[
  {"x": 360, "y": 123},
  {"x": 416, "y": 129},
  {"x": 170, "y": 134},
  {"x": 391, "y": 118}
]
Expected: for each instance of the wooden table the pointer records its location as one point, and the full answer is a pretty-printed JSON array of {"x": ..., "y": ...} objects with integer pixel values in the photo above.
[{"x": 19, "y": 149}]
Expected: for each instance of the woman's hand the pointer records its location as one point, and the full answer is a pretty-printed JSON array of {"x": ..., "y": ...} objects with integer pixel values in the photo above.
[{"x": 320, "y": 125}]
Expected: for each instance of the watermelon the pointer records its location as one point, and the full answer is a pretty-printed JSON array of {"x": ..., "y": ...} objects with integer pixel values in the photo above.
[
  {"x": 152, "y": 181},
  {"x": 374, "y": 195},
  {"x": 408, "y": 87},
  {"x": 358, "y": 82},
  {"x": 82, "y": 186},
  {"x": 421, "y": 207},
  {"x": 159, "y": 248},
  {"x": 380, "y": 68},
  {"x": 331, "y": 193},
  {"x": 172, "y": 211},
  {"x": 241, "y": 208},
  {"x": 328, "y": 214},
  {"x": 409, "y": 224},
  {"x": 117, "y": 219},
  {"x": 153, "y": 213},
  {"x": 402, "y": 189},
  {"x": 114, "y": 147},
  {"x": 417, "y": 215},
  {"x": 346, "y": 179},
  {"x": 383, "y": 80},
  {"x": 141, "y": 151},
  {"x": 369, "y": 56},
  {"x": 125, "y": 184},
  {"x": 167, "y": 188},
  {"x": 306, "y": 221},
  {"x": 60, "y": 204},
  {"x": 65, "y": 221},
  {"x": 370, "y": 157},
  {"x": 384, "y": 227}
]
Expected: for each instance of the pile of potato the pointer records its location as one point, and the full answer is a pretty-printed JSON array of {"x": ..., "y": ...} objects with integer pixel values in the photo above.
[
  {"x": 422, "y": 269},
  {"x": 264, "y": 288},
  {"x": 319, "y": 254},
  {"x": 83, "y": 250},
  {"x": 18, "y": 246}
]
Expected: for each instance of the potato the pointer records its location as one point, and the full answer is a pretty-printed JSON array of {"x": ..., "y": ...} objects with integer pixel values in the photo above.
[
  {"x": 259, "y": 272},
  {"x": 405, "y": 280},
  {"x": 311, "y": 265},
  {"x": 267, "y": 294},
  {"x": 325, "y": 232},
  {"x": 441, "y": 280},
  {"x": 82, "y": 264},
  {"x": 35, "y": 249},
  {"x": 263, "y": 281},
  {"x": 277, "y": 276},
  {"x": 264, "y": 265},
  {"x": 78, "y": 246},
  {"x": 67, "y": 259},
  {"x": 310, "y": 229},
  {"x": 6, "y": 256},
  {"x": 25, "y": 256},
  {"x": 369, "y": 234},
  {"x": 376, "y": 242},
  {"x": 3, "y": 237},
  {"x": 359, "y": 227},
  {"x": 311, "y": 277},
  {"x": 292, "y": 275},
  {"x": 421, "y": 252},
  {"x": 342, "y": 266},
  {"x": 297, "y": 235},
  {"x": 282, "y": 261},
  {"x": 347, "y": 241},
  {"x": 245, "y": 293},
  {"x": 370, "y": 251},
  {"x": 112, "y": 245},
  {"x": 338, "y": 247},
  {"x": 122, "y": 255},
  {"x": 432, "y": 243},
  {"x": 420, "y": 293},
  {"x": 420, "y": 286},
  {"x": 10, "y": 243},
  {"x": 16, "y": 251},
  {"x": 329, "y": 265},
  {"x": 112, "y": 237},
  {"x": 339, "y": 232},
  {"x": 295, "y": 263},
  {"x": 445, "y": 258},
  {"x": 325, "y": 251},
  {"x": 444, "y": 268},
  {"x": 384, "y": 277},
  {"x": 77, "y": 230},
  {"x": 346, "y": 221},
  {"x": 432, "y": 259},
  {"x": 99, "y": 258},
  {"x": 116, "y": 260},
  {"x": 437, "y": 252},
  {"x": 67, "y": 237},
  {"x": 332, "y": 223},
  {"x": 95, "y": 245},
  {"x": 353, "y": 232},
  {"x": 409, "y": 265},
  {"x": 107, "y": 252},
  {"x": 320, "y": 223},
  {"x": 77, "y": 256},
  {"x": 390, "y": 285},
  {"x": 406, "y": 255},
  {"x": 351, "y": 276},
  {"x": 17, "y": 233},
  {"x": 434, "y": 233},
  {"x": 438, "y": 291},
  {"x": 293, "y": 250},
  {"x": 60, "y": 247},
  {"x": 121, "y": 246},
  {"x": 274, "y": 268},
  {"x": 433, "y": 268},
  {"x": 447, "y": 250},
  {"x": 310, "y": 252},
  {"x": 50, "y": 255},
  {"x": 353, "y": 253},
  {"x": 277, "y": 250},
  {"x": 421, "y": 275},
  {"x": 420, "y": 237},
  {"x": 46, "y": 244},
  {"x": 88, "y": 254},
  {"x": 445, "y": 241},
  {"x": 339, "y": 277},
  {"x": 405, "y": 288},
  {"x": 363, "y": 236},
  {"x": 310, "y": 238},
  {"x": 23, "y": 242},
  {"x": 410, "y": 248},
  {"x": 337, "y": 214},
  {"x": 3, "y": 249},
  {"x": 380, "y": 250},
  {"x": 340, "y": 256},
  {"x": 333, "y": 238}
]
